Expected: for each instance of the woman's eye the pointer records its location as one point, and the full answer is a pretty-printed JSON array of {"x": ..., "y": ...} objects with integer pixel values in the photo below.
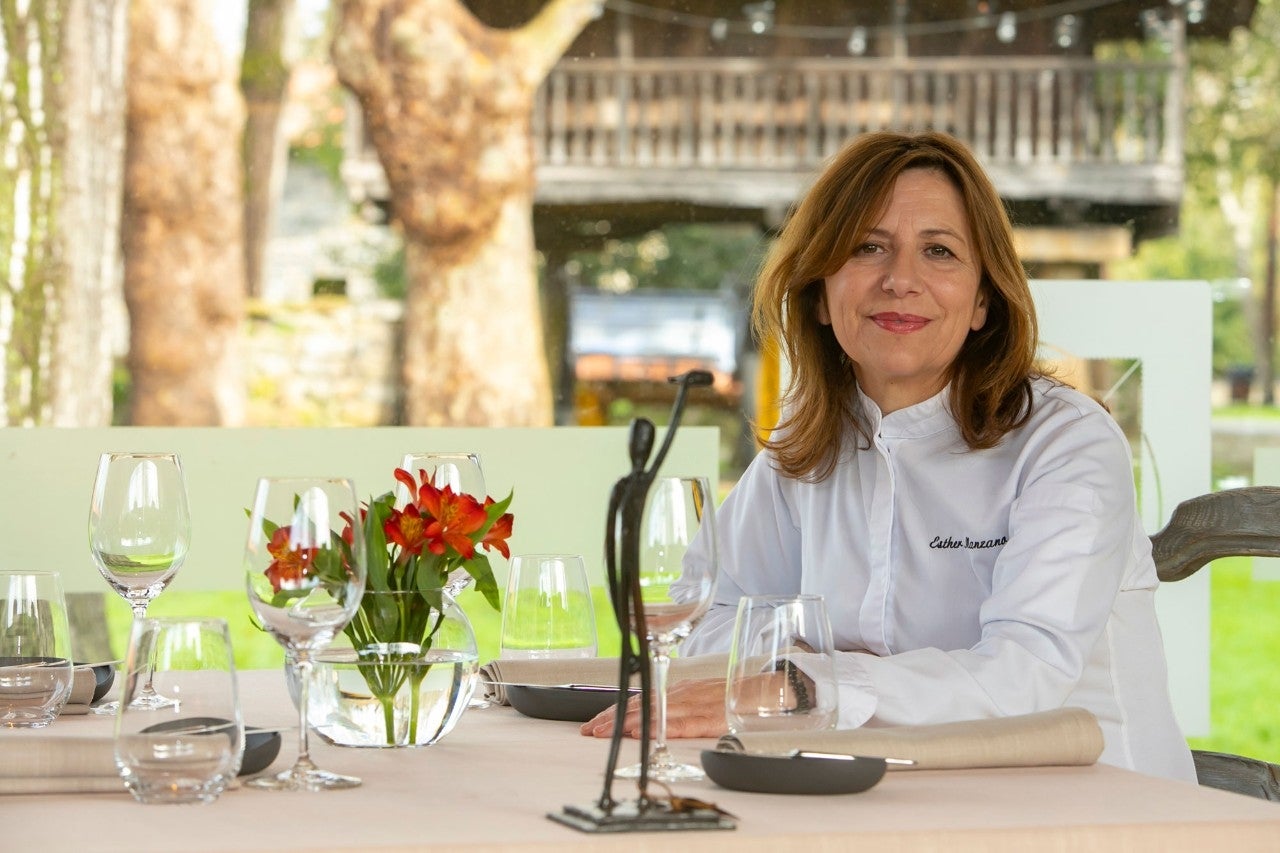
[
  {"x": 867, "y": 249},
  {"x": 939, "y": 252}
]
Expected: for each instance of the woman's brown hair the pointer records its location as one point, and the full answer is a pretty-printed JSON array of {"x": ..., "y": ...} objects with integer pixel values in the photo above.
[{"x": 990, "y": 377}]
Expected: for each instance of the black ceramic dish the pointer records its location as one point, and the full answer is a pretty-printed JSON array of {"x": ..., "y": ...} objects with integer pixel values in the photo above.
[
  {"x": 260, "y": 747},
  {"x": 103, "y": 676},
  {"x": 781, "y": 774},
  {"x": 577, "y": 704}
]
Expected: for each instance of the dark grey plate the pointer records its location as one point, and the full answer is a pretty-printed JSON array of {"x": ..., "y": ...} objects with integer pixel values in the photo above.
[
  {"x": 260, "y": 747},
  {"x": 774, "y": 774},
  {"x": 576, "y": 704}
]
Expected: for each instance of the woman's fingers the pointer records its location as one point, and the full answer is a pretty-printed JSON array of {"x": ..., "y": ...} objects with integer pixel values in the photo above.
[{"x": 695, "y": 708}]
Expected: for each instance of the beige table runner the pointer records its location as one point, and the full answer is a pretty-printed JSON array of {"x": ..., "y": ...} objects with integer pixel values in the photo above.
[
  {"x": 496, "y": 674},
  {"x": 47, "y": 764},
  {"x": 1065, "y": 736}
]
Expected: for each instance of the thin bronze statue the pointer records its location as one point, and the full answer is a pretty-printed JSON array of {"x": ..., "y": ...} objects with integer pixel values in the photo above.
[{"x": 622, "y": 561}]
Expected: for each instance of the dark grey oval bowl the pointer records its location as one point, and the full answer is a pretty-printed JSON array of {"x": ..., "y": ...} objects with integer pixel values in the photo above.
[
  {"x": 260, "y": 747},
  {"x": 775, "y": 774},
  {"x": 573, "y": 704}
]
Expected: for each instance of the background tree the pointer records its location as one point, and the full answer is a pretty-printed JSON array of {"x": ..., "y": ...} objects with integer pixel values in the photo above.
[
  {"x": 448, "y": 102},
  {"x": 61, "y": 135},
  {"x": 1232, "y": 155},
  {"x": 264, "y": 78},
  {"x": 183, "y": 213}
]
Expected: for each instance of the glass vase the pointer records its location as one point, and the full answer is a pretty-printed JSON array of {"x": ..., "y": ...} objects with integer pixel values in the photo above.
[{"x": 395, "y": 691}]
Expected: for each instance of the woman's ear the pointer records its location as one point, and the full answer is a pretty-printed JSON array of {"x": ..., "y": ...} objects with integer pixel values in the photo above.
[
  {"x": 979, "y": 318},
  {"x": 820, "y": 307}
]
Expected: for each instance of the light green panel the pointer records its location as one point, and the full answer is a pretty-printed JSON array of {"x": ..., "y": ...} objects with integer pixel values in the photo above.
[{"x": 561, "y": 476}]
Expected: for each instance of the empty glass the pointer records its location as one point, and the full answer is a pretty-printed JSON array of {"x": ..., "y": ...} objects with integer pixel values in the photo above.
[
  {"x": 781, "y": 666},
  {"x": 189, "y": 751},
  {"x": 548, "y": 611},
  {"x": 35, "y": 649}
]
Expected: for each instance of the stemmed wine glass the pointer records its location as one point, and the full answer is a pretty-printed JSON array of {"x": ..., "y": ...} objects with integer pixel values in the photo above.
[
  {"x": 675, "y": 593},
  {"x": 139, "y": 533},
  {"x": 305, "y": 567},
  {"x": 461, "y": 472}
]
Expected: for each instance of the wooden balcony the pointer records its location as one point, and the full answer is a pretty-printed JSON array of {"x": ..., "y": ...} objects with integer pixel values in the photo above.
[
  {"x": 631, "y": 137},
  {"x": 747, "y": 132}
]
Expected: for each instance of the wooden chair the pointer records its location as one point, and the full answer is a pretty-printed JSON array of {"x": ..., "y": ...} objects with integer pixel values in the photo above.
[{"x": 1231, "y": 523}]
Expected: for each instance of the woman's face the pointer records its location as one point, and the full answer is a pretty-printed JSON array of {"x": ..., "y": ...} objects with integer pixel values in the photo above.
[{"x": 902, "y": 306}]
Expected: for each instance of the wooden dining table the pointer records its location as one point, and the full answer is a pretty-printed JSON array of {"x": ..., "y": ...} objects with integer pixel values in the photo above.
[{"x": 491, "y": 783}]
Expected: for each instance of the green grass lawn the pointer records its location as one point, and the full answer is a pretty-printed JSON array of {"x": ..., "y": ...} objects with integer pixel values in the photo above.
[{"x": 1245, "y": 653}]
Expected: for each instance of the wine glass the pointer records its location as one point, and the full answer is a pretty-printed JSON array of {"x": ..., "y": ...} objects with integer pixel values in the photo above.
[
  {"x": 675, "y": 593},
  {"x": 305, "y": 567},
  {"x": 459, "y": 471},
  {"x": 139, "y": 533}
]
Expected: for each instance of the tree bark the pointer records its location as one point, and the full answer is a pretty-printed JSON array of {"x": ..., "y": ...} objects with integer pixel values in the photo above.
[
  {"x": 264, "y": 78},
  {"x": 61, "y": 138},
  {"x": 1267, "y": 368},
  {"x": 447, "y": 103},
  {"x": 183, "y": 219}
]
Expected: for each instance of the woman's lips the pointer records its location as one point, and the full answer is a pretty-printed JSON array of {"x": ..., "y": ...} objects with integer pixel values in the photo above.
[{"x": 892, "y": 321}]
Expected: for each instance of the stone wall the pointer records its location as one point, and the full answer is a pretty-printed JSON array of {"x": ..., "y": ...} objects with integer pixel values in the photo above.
[{"x": 328, "y": 361}]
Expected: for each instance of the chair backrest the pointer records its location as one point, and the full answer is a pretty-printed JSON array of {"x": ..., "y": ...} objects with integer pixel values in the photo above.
[{"x": 1231, "y": 523}]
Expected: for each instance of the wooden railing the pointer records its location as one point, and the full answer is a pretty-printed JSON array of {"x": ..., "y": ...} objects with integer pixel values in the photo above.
[{"x": 758, "y": 114}]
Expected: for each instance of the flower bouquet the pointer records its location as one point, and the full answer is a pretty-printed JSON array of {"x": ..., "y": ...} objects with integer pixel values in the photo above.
[{"x": 407, "y": 628}]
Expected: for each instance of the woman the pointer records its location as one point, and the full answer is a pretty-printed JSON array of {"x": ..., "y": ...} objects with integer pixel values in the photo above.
[{"x": 971, "y": 523}]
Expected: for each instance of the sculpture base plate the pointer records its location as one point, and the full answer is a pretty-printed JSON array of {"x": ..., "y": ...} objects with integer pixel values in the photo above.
[{"x": 627, "y": 817}]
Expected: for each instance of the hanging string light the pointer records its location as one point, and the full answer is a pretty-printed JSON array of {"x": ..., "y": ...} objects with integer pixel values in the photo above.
[
  {"x": 758, "y": 20},
  {"x": 760, "y": 16},
  {"x": 1066, "y": 30},
  {"x": 1007, "y": 28},
  {"x": 858, "y": 41}
]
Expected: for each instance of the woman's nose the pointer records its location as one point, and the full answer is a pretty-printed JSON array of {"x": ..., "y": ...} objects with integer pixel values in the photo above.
[{"x": 901, "y": 276}]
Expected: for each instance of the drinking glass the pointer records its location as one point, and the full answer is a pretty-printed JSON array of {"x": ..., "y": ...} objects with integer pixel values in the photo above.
[
  {"x": 675, "y": 594},
  {"x": 459, "y": 471},
  {"x": 548, "y": 612},
  {"x": 35, "y": 649},
  {"x": 305, "y": 568},
  {"x": 189, "y": 751},
  {"x": 139, "y": 532},
  {"x": 781, "y": 666}
]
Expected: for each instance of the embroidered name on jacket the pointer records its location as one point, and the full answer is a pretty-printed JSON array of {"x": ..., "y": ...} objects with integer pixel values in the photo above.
[{"x": 966, "y": 542}]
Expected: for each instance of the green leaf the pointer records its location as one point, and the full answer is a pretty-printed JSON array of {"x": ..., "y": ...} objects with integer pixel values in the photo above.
[
  {"x": 430, "y": 591},
  {"x": 480, "y": 569},
  {"x": 378, "y": 556}
]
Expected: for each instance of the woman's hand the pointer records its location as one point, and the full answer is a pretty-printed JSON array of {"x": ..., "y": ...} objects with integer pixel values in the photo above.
[{"x": 695, "y": 708}]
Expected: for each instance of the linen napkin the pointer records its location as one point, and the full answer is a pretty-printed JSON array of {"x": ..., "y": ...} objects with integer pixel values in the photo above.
[
  {"x": 497, "y": 674},
  {"x": 83, "y": 683},
  {"x": 82, "y": 686},
  {"x": 1064, "y": 736},
  {"x": 45, "y": 764}
]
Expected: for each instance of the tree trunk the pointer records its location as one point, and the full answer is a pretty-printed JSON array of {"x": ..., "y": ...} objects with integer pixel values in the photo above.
[
  {"x": 447, "y": 103},
  {"x": 61, "y": 138},
  {"x": 1267, "y": 369},
  {"x": 264, "y": 79},
  {"x": 183, "y": 215}
]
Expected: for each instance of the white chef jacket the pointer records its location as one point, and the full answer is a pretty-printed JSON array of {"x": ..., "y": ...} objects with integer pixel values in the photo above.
[{"x": 982, "y": 583}]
